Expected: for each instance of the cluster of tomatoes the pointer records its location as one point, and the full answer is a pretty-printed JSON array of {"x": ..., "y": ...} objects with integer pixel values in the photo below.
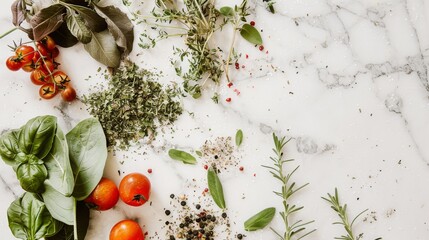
[
  {"x": 41, "y": 63},
  {"x": 134, "y": 190}
]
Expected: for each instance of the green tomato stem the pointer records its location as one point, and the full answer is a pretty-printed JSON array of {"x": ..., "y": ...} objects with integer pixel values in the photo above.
[{"x": 8, "y": 32}]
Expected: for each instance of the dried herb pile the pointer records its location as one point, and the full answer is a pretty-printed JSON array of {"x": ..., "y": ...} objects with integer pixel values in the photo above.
[{"x": 133, "y": 106}]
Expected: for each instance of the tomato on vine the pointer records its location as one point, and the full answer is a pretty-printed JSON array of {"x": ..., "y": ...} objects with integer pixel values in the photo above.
[
  {"x": 48, "y": 91},
  {"x": 126, "y": 230},
  {"x": 13, "y": 63},
  {"x": 60, "y": 78},
  {"x": 39, "y": 76},
  {"x": 48, "y": 42},
  {"x": 134, "y": 189},
  {"x": 25, "y": 53},
  {"x": 48, "y": 65},
  {"x": 68, "y": 94}
]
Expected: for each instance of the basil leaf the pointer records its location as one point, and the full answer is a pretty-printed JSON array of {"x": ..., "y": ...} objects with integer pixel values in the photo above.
[
  {"x": 29, "y": 218},
  {"x": 250, "y": 33},
  {"x": 260, "y": 220},
  {"x": 31, "y": 176},
  {"x": 37, "y": 135},
  {"x": 215, "y": 187},
  {"x": 182, "y": 156},
  {"x": 77, "y": 27},
  {"x": 92, "y": 19},
  {"x": 60, "y": 206},
  {"x": 18, "y": 13},
  {"x": 88, "y": 154},
  {"x": 47, "y": 20},
  {"x": 58, "y": 164},
  {"x": 82, "y": 221},
  {"x": 63, "y": 36},
  {"x": 9, "y": 148},
  {"x": 226, "y": 11},
  {"x": 120, "y": 26},
  {"x": 104, "y": 49},
  {"x": 239, "y": 138}
]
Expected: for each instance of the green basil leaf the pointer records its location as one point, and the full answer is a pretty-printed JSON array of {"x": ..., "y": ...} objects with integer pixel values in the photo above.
[
  {"x": 47, "y": 20},
  {"x": 92, "y": 19},
  {"x": 58, "y": 164},
  {"x": 18, "y": 13},
  {"x": 63, "y": 36},
  {"x": 31, "y": 177},
  {"x": 260, "y": 220},
  {"x": 66, "y": 233},
  {"x": 239, "y": 138},
  {"x": 182, "y": 156},
  {"x": 104, "y": 49},
  {"x": 37, "y": 135},
  {"x": 120, "y": 26},
  {"x": 60, "y": 206},
  {"x": 226, "y": 11},
  {"x": 88, "y": 154},
  {"x": 29, "y": 218},
  {"x": 215, "y": 187},
  {"x": 250, "y": 33},
  {"x": 77, "y": 27},
  {"x": 9, "y": 147}
]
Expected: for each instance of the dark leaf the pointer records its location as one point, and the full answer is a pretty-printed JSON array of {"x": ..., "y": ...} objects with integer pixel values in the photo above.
[
  {"x": 63, "y": 36},
  {"x": 91, "y": 18},
  {"x": 260, "y": 220},
  {"x": 76, "y": 2},
  {"x": 215, "y": 188},
  {"x": 47, "y": 20},
  {"x": 77, "y": 27},
  {"x": 250, "y": 33},
  {"x": 18, "y": 13},
  {"x": 120, "y": 26},
  {"x": 104, "y": 49},
  {"x": 66, "y": 233},
  {"x": 182, "y": 156}
]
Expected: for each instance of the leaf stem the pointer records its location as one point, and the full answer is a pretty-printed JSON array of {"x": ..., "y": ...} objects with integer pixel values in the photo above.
[
  {"x": 230, "y": 51},
  {"x": 75, "y": 220},
  {"x": 8, "y": 32}
]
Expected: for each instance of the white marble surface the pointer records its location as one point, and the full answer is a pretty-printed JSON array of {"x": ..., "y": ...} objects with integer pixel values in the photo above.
[{"x": 346, "y": 80}]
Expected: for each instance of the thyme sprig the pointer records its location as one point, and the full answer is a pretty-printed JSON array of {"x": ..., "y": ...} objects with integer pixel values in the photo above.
[
  {"x": 341, "y": 210},
  {"x": 293, "y": 229}
]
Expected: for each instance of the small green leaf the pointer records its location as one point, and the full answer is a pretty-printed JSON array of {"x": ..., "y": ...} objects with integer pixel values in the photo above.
[
  {"x": 77, "y": 27},
  {"x": 226, "y": 11},
  {"x": 250, "y": 33},
  {"x": 182, "y": 156},
  {"x": 199, "y": 153},
  {"x": 239, "y": 138},
  {"x": 215, "y": 187},
  {"x": 260, "y": 220}
]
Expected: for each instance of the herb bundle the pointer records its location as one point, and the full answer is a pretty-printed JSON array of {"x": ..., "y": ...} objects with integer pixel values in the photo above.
[
  {"x": 105, "y": 31},
  {"x": 293, "y": 229},
  {"x": 198, "y": 21},
  {"x": 133, "y": 106}
]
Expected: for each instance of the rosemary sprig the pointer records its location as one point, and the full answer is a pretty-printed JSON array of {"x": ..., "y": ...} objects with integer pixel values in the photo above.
[
  {"x": 293, "y": 229},
  {"x": 341, "y": 210}
]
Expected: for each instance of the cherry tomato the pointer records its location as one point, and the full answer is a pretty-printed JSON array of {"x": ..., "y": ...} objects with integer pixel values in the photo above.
[
  {"x": 104, "y": 196},
  {"x": 31, "y": 66},
  {"x": 48, "y": 91},
  {"x": 25, "y": 53},
  {"x": 134, "y": 189},
  {"x": 60, "y": 78},
  {"x": 68, "y": 94},
  {"x": 13, "y": 63},
  {"x": 42, "y": 50},
  {"x": 36, "y": 56},
  {"x": 39, "y": 76},
  {"x": 126, "y": 230},
  {"x": 54, "y": 53},
  {"x": 48, "y": 42},
  {"x": 48, "y": 65}
]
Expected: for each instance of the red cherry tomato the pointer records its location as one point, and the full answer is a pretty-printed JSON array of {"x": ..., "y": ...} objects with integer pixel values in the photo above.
[
  {"x": 48, "y": 42},
  {"x": 39, "y": 76},
  {"x": 68, "y": 94},
  {"x": 126, "y": 230},
  {"x": 48, "y": 65},
  {"x": 48, "y": 91},
  {"x": 25, "y": 53},
  {"x": 104, "y": 196},
  {"x": 13, "y": 63},
  {"x": 42, "y": 50},
  {"x": 60, "y": 78},
  {"x": 55, "y": 53},
  {"x": 134, "y": 189}
]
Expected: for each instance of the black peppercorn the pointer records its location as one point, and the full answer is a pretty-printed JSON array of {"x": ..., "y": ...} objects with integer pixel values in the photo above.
[
  {"x": 183, "y": 203},
  {"x": 224, "y": 215},
  {"x": 240, "y": 236},
  {"x": 171, "y": 196},
  {"x": 198, "y": 206},
  {"x": 167, "y": 212}
]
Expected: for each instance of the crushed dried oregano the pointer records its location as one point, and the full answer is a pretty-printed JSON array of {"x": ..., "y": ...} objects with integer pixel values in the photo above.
[{"x": 133, "y": 105}]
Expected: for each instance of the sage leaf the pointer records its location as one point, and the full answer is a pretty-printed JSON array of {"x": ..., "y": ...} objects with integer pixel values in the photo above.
[
  {"x": 215, "y": 187},
  {"x": 91, "y": 18},
  {"x": 250, "y": 33},
  {"x": 63, "y": 36},
  {"x": 182, "y": 156},
  {"x": 82, "y": 221},
  {"x": 9, "y": 148},
  {"x": 18, "y": 13},
  {"x": 260, "y": 220},
  {"x": 29, "y": 218},
  {"x": 37, "y": 135},
  {"x": 119, "y": 25},
  {"x": 31, "y": 176},
  {"x": 104, "y": 49},
  {"x": 239, "y": 138},
  {"x": 226, "y": 11},
  {"x": 88, "y": 154},
  {"x": 77, "y": 27},
  {"x": 58, "y": 164},
  {"x": 47, "y": 20},
  {"x": 60, "y": 206}
]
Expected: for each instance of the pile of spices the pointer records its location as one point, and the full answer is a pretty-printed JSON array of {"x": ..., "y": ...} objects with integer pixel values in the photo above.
[
  {"x": 133, "y": 106},
  {"x": 220, "y": 153}
]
